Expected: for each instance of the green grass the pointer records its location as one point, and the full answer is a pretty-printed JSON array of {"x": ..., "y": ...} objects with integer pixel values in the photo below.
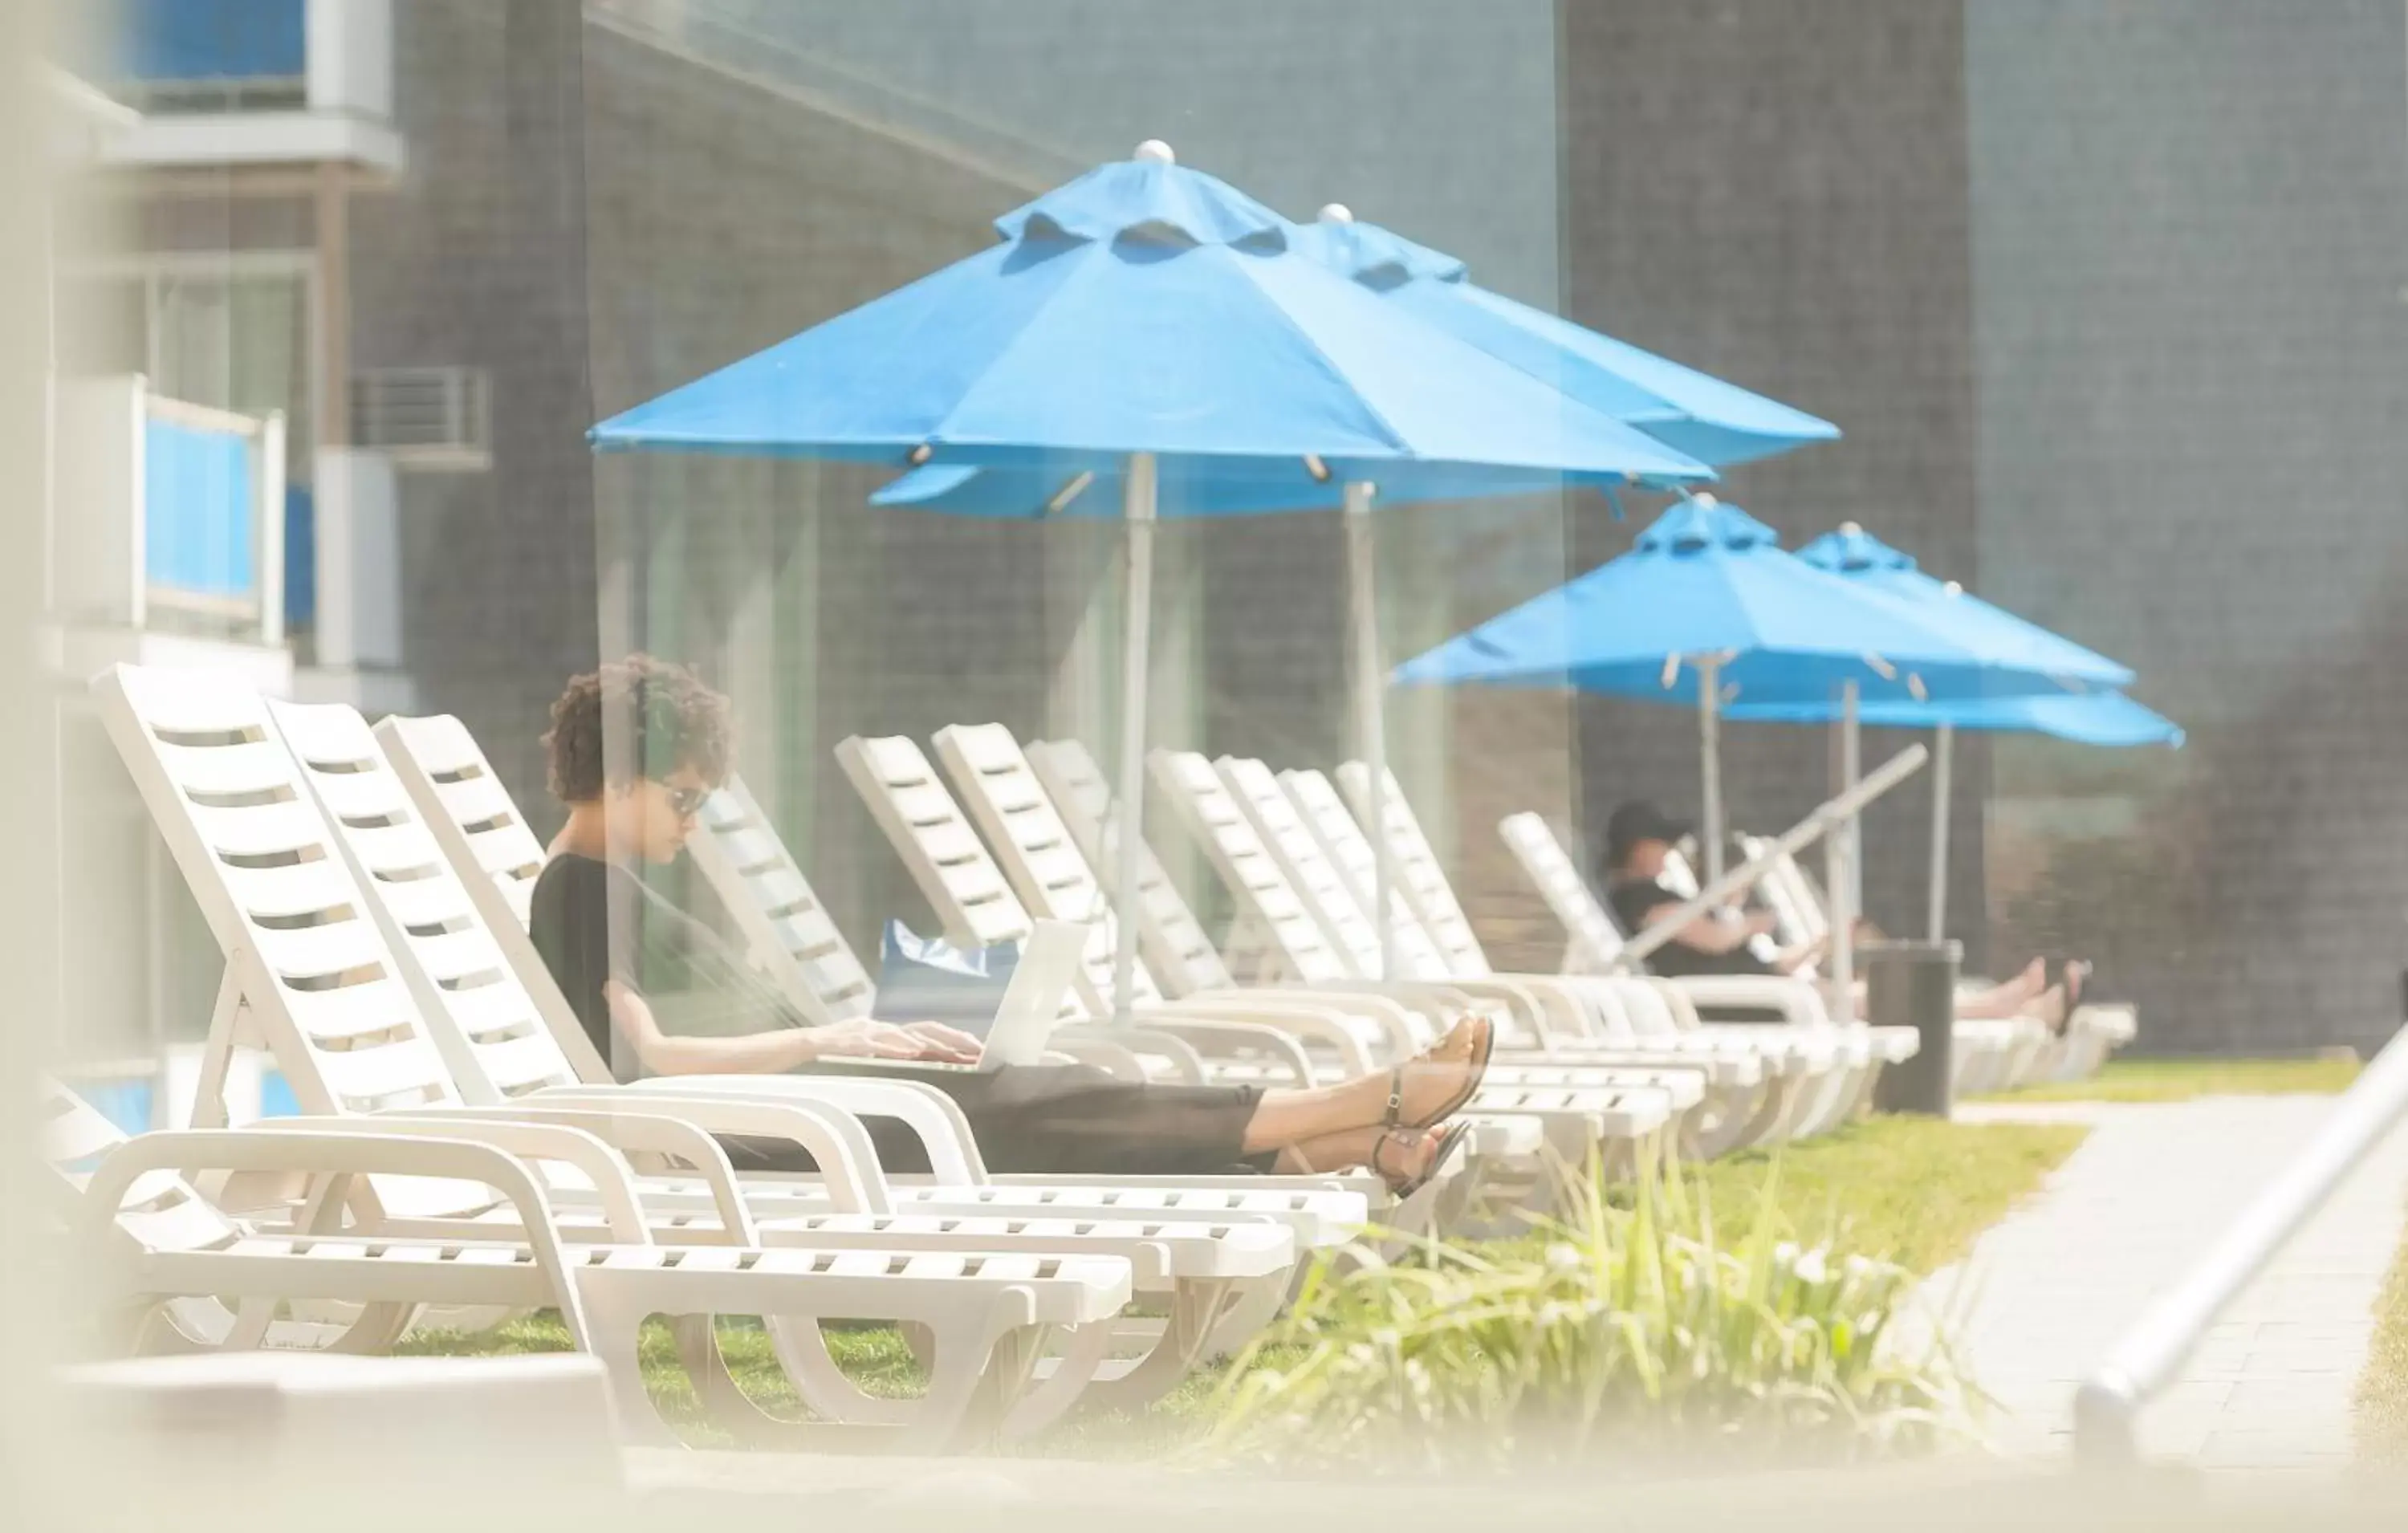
[
  {"x": 1913, "y": 1191},
  {"x": 2182, "y": 1080},
  {"x": 2382, "y": 1387}
]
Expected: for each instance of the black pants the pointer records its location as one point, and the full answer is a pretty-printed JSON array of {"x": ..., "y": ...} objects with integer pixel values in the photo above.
[{"x": 1059, "y": 1120}]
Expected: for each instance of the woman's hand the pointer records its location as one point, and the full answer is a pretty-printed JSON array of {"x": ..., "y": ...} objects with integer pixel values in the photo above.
[
  {"x": 952, "y": 1042},
  {"x": 920, "y": 1040}
]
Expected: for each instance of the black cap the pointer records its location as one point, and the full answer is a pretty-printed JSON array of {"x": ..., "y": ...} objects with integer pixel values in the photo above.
[{"x": 1638, "y": 820}]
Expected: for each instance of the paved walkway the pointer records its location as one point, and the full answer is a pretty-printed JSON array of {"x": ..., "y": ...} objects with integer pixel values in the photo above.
[{"x": 2048, "y": 1290}]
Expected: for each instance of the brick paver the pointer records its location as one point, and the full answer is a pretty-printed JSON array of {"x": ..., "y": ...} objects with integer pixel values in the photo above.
[{"x": 2048, "y": 1290}]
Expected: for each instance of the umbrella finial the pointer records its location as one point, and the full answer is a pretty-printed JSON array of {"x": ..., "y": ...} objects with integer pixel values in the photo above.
[
  {"x": 1336, "y": 212},
  {"x": 1154, "y": 152},
  {"x": 1851, "y": 529},
  {"x": 1706, "y": 498},
  {"x": 1954, "y": 588}
]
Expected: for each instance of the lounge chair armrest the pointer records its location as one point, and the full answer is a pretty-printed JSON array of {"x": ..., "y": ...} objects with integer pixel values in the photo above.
[
  {"x": 1795, "y": 1001},
  {"x": 1527, "y": 1005},
  {"x": 835, "y": 1138},
  {"x": 944, "y": 1133},
  {"x": 1109, "y": 1054},
  {"x": 633, "y": 1130},
  {"x": 347, "y": 1152},
  {"x": 1405, "y": 1014},
  {"x": 614, "y": 1184},
  {"x": 1334, "y": 1025},
  {"x": 1156, "y": 1041},
  {"x": 1230, "y": 1033}
]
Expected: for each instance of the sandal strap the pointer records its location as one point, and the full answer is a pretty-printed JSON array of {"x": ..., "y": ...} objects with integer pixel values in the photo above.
[{"x": 1396, "y": 1100}]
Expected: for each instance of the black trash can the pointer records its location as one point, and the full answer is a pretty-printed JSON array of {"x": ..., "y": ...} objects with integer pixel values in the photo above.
[{"x": 1914, "y": 984}]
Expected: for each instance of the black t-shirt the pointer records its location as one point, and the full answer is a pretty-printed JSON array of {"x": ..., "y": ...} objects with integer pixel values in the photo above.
[
  {"x": 1632, "y": 899},
  {"x": 594, "y": 922}
]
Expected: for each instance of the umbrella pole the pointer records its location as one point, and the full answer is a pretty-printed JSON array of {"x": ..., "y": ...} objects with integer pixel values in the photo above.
[
  {"x": 1710, "y": 759},
  {"x": 1136, "y": 510},
  {"x": 1370, "y": 709},
  {"x": 1942, "y": 738},
  {"x": 1839, "y": 853}
]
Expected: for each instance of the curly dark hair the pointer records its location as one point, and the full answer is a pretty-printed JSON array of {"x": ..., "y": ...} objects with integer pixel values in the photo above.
[{"x": 673, "y": 716}]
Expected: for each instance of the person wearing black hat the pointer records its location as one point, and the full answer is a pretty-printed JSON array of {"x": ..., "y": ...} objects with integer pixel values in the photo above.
[{"x": 1638, "y": 838}]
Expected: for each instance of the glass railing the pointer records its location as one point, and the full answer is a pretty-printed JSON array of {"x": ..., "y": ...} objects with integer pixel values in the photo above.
[
  {"x": 175, "y": 56},
  {"x": 170, "y": 515}
]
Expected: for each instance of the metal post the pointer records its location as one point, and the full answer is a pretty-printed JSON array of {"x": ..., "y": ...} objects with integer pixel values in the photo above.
[
  {"x": 1710, "y": 757},
  {"x": 1942, "y": 740},
  {"x": 1370, "y": 711},
  {"x": 1839, "y": 853},
  {"x": 1137, "y": 511},
  {"x": 2106, "y": 1408}
]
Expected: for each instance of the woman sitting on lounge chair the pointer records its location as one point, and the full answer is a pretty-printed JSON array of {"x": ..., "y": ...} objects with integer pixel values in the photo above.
[
  {"x": 1639, "y": 837},
  {"x": 632, "y": 786}
]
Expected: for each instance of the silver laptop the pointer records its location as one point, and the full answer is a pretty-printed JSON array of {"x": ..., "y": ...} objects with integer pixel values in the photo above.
[{"x": 1032, "y": 1002}]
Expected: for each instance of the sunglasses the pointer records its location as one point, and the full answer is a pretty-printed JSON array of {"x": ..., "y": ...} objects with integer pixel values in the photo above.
[{"x": 685, "y": 802}]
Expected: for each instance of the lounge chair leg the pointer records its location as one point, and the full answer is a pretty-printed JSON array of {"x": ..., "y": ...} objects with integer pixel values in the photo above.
[
  {"x": 1197, "y": 1311},
  {"x": 1069, "y": 1380},
  {"x": 1255, "y": 1305},
  {"x": 216, "y": 1054},
  {"x": 801, "y": 1349},
  {"x": 616, "y": 1338},
  {"x": 1758, "y": 1119}
]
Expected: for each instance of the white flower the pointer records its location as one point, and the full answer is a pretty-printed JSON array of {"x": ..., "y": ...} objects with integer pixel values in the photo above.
[{"x": 1813, "y": 1266}]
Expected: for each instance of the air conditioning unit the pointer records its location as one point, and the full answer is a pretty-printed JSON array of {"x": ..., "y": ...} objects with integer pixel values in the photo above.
[{"x": 437, "y": 418}]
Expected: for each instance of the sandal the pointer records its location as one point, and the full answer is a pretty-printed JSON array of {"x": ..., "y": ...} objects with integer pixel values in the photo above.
[
  {"x": 1448, "y": 1142},
  {"x": 2070, "y": 973},
  {"x": 1475, "y": 1067}
]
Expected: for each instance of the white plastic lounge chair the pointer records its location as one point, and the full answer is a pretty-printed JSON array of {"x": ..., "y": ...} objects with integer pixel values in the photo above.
[
  {"x": 1172, "y": 939},
  {"x": 1594, "y": 941},
  {"x": 453, "y": 788},
  {"x": 1762, "y": 1084},
  {"x": 975, "y": 903},
  {"x": 1577, "y": 1116},
  {"x": 2091, "y": 1034},
  {"x": 1046, "y": 867},
  {"x": 1989, "y": 1052},
  {"x": 1348, "y": 927},
  {"x": 242, "y": 819},
  {"x": 983, "y": 1317}
]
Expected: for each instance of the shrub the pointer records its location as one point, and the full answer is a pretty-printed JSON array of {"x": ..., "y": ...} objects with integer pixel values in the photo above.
[{"x": 1624, "y": 1335}]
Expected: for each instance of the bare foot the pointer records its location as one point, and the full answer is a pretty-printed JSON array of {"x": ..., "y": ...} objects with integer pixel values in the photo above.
[
  {"x": 1434, "y": 1084},
  {"x": 1407, "y": 1158}
]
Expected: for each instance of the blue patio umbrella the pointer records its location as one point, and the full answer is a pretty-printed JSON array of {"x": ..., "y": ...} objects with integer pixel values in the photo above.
[
  {"x": 2101, "y": 718},
  {"x": 1709, "y": 609},
  {"x": 1701, "y": 416},
  {"x": 1712, "y": 421},
  {"x": 1144, "y": 315}
]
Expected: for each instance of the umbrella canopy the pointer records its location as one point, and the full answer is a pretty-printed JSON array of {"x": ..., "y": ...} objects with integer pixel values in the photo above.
[
  {"x": 1188, "y": 487},
  {"x": 1699, "y": 415},
  {"x": 2103, "y": 719},
  {"x": 1855, "y": 554},
  {"x": 1144, "y": 308},
  {"x": 1707, "y": 588},
  {"x": 1143, "y": 316},
  {"x": 1713, "y": 422}
]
